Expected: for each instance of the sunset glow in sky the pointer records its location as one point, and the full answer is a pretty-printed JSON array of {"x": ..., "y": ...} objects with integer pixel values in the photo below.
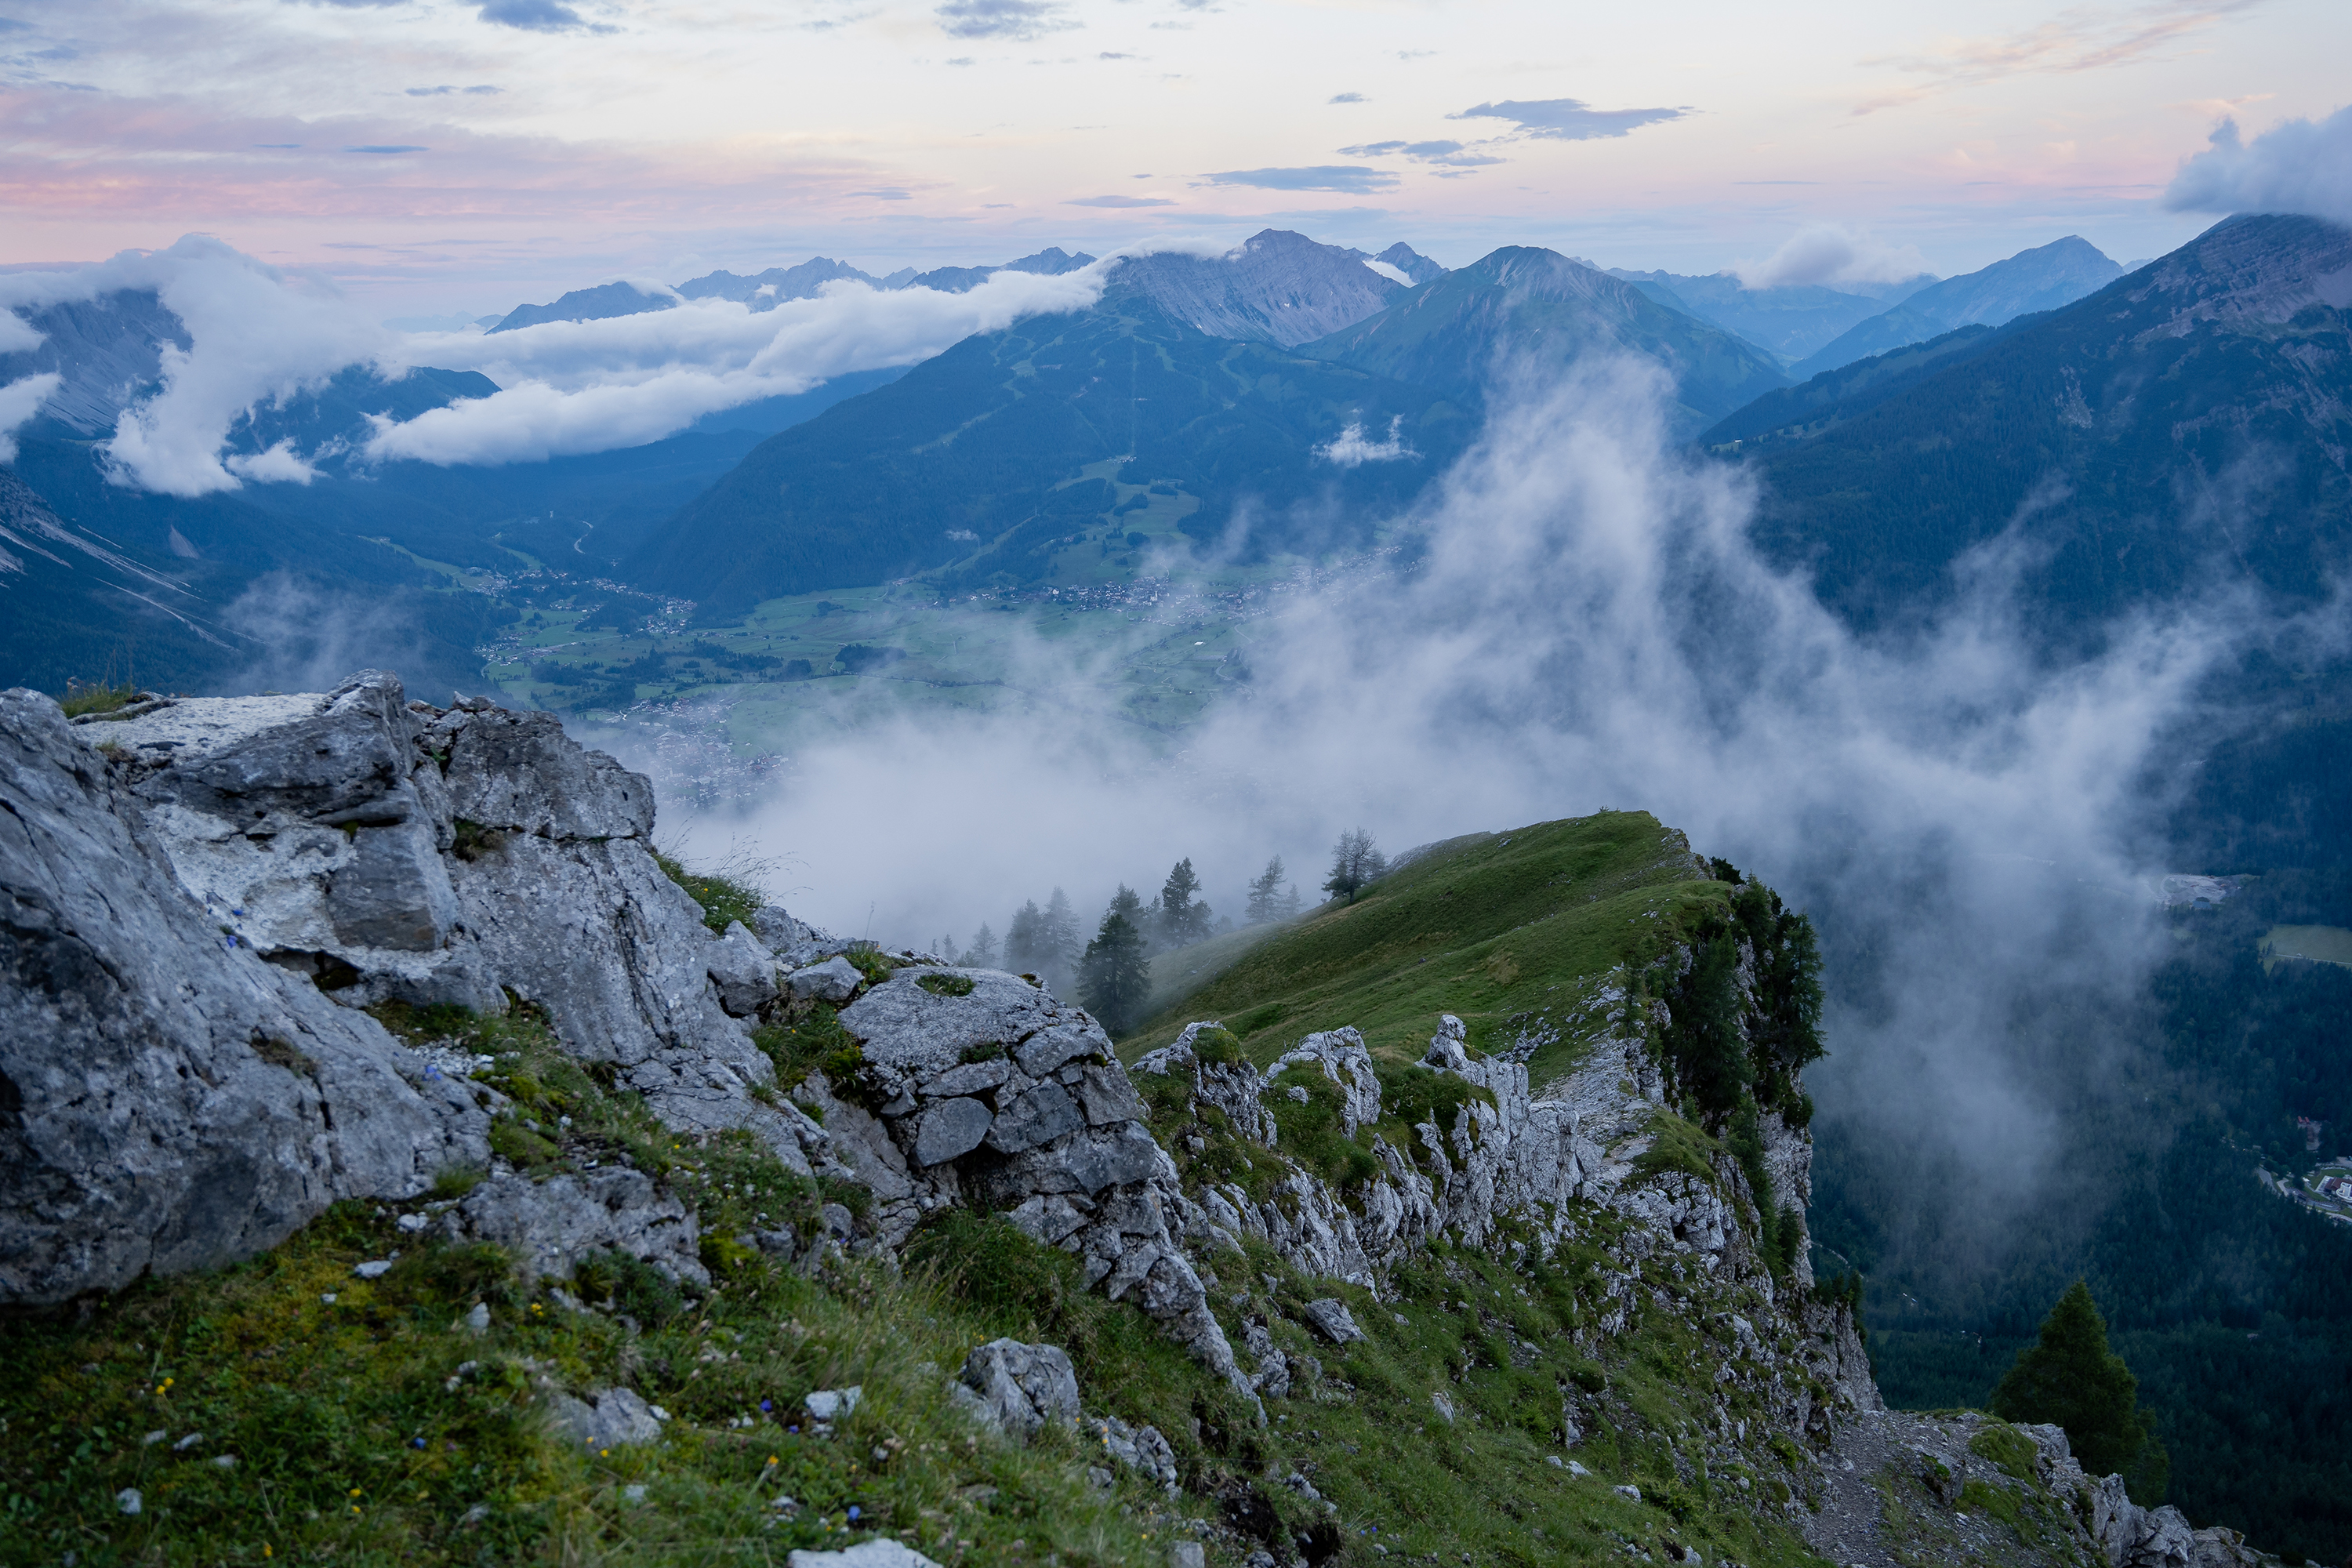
[{"x": 440, "y": 155}]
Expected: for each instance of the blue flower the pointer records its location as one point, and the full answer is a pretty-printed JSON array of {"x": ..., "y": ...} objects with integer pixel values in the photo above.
[
  {"x": 853, "y": 1510},
  {"x": 767, "y": 1404}
]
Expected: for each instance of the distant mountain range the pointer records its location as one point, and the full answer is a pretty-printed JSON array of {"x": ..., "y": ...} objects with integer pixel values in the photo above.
[
  {"x": 2041, "y": 279},
  {"x": 1790, "y": 322},
  {"x": 770, "y": 289}
]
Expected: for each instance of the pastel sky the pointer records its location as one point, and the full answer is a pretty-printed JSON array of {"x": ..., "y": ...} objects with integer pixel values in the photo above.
[{"x": 466, "y": 154}]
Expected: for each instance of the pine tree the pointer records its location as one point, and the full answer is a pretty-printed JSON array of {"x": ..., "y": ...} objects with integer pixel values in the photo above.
[
  {"x": 1356, "y": 863},
  {"x": 1114, "y": 977},
  {"x": 1058, "y": 938},
  {"x": 1182, "y": 920},
  {"x": 2070, "y": 1379},
  {"x": 1024, "y": 949},
  {"x": 1265, "y": 893},
  {"x": 982, "y": 953}
]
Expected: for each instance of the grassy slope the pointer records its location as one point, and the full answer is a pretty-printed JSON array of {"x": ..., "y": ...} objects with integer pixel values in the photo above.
[
  {"x": 1497, "y": 929},
  {"x": 351, "y": 1446}
]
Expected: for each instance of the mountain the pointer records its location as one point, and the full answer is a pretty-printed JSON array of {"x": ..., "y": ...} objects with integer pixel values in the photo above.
[
  {"x": 2190, "y": 416},
  {"x": 601, "y": 304},
  {"x": 1519, "y": 304},
  {"x": 774, "y": 287},
  {"x": 2041, "y": 279},
  {"x": 1833, "y": 396},
  {"x": 1276, "y": 287},
  {"x": 1411, "y": 262},
  {"x": 1791, "y": 322},
  {"x": 977, "y": 460}
]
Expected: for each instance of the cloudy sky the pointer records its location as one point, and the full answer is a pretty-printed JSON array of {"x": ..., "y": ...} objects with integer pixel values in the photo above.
[{"x": 465, "y": 154}]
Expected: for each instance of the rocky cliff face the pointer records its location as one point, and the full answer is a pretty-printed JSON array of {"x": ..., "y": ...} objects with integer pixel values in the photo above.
[{"x": 202, "y": 896}]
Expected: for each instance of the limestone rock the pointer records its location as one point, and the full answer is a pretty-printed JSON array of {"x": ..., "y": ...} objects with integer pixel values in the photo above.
[
  {"x": 949, "y": 1128},
  {"x": 1141, "y": 1449},
  {"x": 879, "y": 1553},
  {"x": 551, "y": 1225},
  {"x": 177, "y": 1102},
  {"x": 1021, "y": 1387},
  {"x": 604, "y": 1418},
  {"x": 1333, "y": 1321},
  {"x": 834, "y": 979},
  {"x": 743, "y": 971}
]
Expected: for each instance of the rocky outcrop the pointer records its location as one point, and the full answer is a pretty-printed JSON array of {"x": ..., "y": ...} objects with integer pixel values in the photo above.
[
  {"x": 168, "y": 1099},
  {"x": 194, "y": 885},
  {"x": 978, "y": 1086},
  {"x": 550, "y": 1226}
]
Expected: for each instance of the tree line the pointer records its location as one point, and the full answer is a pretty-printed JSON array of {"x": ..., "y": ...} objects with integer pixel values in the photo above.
[{"x": 1110, "y": 972}]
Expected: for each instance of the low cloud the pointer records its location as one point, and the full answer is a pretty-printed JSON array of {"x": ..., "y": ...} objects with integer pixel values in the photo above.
[
  {"x": 1121, "y": 201},
  {"x": 589, "y": 386},
  {"x": 2295, "y": 167},
  {"x": 1830, "y": 255},
  {"x": 1587, "y": 626},
  {"x": 20, "y": 400},
  {"x": 1570, "y": 119},
  {"x": 258, "y": 336},
  {"x": 1347, "y": 98},
  {"x": 388, "y": 147},
  {"x": 1015, "y": 20},
  {"x": 1347, "y": 179},
  {"x": 1351, "y": 449}
]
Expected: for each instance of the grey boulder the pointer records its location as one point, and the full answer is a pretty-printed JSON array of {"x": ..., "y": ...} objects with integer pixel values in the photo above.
[
  {"x": 1017, "y": 1388},
  {"x": 743, "y": 971},
  {"x": 1332, "y": 1321},
  {"x": 834, "y": 979},
  {"x": 551, "y": 1225},
  {"x": 604, "y": 1417}
]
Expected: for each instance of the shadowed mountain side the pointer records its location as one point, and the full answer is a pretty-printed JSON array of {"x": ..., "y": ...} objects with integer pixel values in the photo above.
[
  {"x": 2193, "y": 412},
  {"x": 978, "y": 454},
  {"x": 1537, "y": 308},
  {"x": 1833, "y": 396},
  {"x": 98, "y": 580},
  {"x": 2044, "y": 278}
]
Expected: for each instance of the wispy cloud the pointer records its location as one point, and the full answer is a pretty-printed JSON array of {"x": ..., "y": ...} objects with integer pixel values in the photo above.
[
  {"x": 1018, "y": 20},
  {"x": 444, "y": 90},
  {"x": 2082, "y": 39},
  {"x": 1449, "y": 155},
  {"x": 1119, "y": 202},
  {"x": 1347, "y": 98},
  {"x": 538, "y": 16},
  {"x": 1570, "y": 119},
  {"x": 1347, "y": 179},
  {"x": 388, "y": 147}
]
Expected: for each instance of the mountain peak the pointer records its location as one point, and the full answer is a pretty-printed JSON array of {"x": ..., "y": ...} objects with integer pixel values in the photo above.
[{"x": 1278, "y": 287}]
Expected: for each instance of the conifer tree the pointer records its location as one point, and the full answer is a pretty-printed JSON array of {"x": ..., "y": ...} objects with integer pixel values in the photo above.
[
  {"x": 982, "y": 953},
  {"x": 1025, "y": 949},
  {"x": 2070, "y": 1378},
  {"x": 1265, "y": 893},
  {"x": 1182, "y": 920},
  {"x": 1058, "y": 939},
  {"x": 1114, "y": 975},
  {"x": 1356, "y": 863}
]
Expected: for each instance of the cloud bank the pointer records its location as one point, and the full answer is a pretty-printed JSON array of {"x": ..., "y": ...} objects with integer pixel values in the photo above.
[
  {"x": 2294, "y": 167},
  {"x": 1588, "y": 626},
  {"x": 1829, "y": 255},
  {"x": 260, "y": 336}
]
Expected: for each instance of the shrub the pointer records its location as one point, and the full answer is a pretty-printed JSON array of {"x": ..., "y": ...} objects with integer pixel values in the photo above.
[{"x": 1216, "y": 1047}]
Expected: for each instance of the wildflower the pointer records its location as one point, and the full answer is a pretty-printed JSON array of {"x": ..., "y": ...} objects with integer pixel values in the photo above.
[
  {"x": 853, "y": 1510},
  {"x": 771, "y": 1459}
]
